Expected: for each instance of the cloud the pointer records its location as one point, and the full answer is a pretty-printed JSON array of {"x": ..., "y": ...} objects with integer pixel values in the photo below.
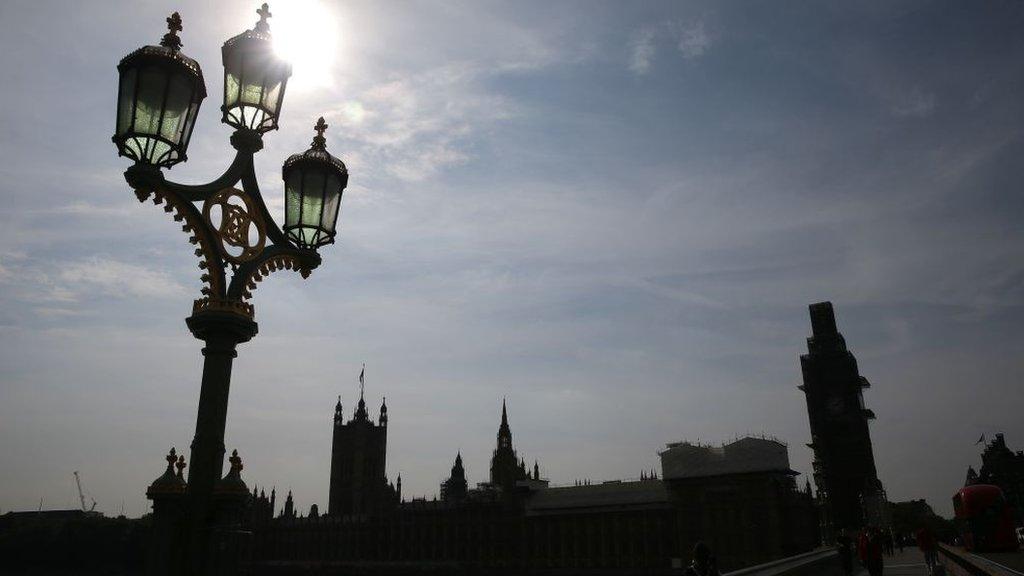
[
  {"x": 913, "y": 103},
  {"x": 418, "y": 125},
  {"x": 79, "y": 208},
  {"x": 57, "y": 286},
  {"x": 642, "y": 51},
  {"x": 115, "y": 278},
  {"x": 693, "y": 40}
]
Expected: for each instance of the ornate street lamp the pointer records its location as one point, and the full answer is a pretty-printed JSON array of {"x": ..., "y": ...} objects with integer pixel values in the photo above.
[
  {"x": 158, "y": 97},
  {"x": 237, "y": 241},
  {"x": 254, "y": 78},
  {"x": 314, "y": 181}
]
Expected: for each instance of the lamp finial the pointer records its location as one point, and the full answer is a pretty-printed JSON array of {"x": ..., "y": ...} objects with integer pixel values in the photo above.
[
  {"x": 264, "y": 12},
  {"x": 319, "y": 141},
  {"x": 171, "y": 40}
]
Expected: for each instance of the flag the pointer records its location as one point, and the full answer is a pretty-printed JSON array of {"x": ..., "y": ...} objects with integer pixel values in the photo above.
[{"x": 980, "y": 440}]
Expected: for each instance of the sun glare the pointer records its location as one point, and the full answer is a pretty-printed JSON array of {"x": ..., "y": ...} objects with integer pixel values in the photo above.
[{"x": 306, "y": 33}]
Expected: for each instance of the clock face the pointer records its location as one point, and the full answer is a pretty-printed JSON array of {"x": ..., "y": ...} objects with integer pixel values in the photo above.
[{"x": 835, "y": 405}]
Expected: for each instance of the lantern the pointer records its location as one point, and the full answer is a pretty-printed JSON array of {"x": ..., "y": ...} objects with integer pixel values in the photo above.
[
  {"x": 254, "y": 79},
  {"x": 160, "y": 90},
  {"x": 314, "y": 182}
]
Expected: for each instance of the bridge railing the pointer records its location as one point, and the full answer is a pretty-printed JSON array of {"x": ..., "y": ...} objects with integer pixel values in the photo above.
[
  {"x": 823, "y": 562},
  {"x": 962, "y": 563}
]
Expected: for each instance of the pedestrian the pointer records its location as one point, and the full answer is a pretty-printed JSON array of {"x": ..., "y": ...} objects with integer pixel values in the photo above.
[
  {"x": 862, "y": 546},
  {"x": 845, "y": 549},
  {"x": 704, "y": 563},
  {"x": 873, "y": 552},
  {"x": 926, "y": 542}
]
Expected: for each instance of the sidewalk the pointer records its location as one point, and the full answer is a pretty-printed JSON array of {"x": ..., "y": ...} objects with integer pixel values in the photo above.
[{"x": 908, "y": 563}]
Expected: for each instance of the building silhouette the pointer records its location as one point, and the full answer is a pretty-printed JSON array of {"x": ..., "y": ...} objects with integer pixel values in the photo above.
[
  {"x": 455, "y": 488},
  {"x": 1002, "y": 467},
  {"x": 741, "y": 497},
  {"x": 358, "y": 458},
  {"x": 849, "y": 491},
  {"x": 506, "y": 467}
]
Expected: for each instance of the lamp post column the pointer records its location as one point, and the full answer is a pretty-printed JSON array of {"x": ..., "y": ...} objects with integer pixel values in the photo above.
[{"x": 222, "y": 332}]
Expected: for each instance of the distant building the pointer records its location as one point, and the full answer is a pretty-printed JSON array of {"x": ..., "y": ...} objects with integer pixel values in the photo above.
[
  {"x": 1004, "y": 468},
  {"x": 358, "y": 457},
  {"x": 455, "y": 488},
  {"x": 740, "y": 497},
  {"x": 745, "y": 494},
  {"x": 849, "y": 491},
  {"x": 506, "y": 467},
  {"x": 910, "y": 516}
]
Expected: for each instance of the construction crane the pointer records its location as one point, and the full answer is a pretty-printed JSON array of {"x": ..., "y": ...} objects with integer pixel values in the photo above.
[{"x": 81, "y": 495}]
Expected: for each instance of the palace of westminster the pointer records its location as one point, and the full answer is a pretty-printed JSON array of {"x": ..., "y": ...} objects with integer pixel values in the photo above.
[{"x": 741, "y": 497}]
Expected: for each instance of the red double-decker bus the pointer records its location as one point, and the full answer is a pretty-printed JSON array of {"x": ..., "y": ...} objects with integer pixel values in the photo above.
[{"x": 984, "y": 519}]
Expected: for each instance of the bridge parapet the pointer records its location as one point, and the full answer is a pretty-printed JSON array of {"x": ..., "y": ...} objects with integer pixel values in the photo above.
[
  {"x": 959, "y": 562},
  {"x": 821, "y": 562}
]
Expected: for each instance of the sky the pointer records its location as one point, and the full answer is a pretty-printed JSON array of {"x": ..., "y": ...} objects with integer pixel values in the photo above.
[{"x": 613, "y": 215}]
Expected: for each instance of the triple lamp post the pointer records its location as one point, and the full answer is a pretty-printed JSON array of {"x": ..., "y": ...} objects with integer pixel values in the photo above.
[{"x": 238, "y": 243}]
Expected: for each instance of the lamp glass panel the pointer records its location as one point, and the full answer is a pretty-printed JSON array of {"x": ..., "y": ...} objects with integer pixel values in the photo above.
[
  {"x": 251, "y": 116},
  {"x": 161, "y": 151},
  {"x": 308, "y": 236},
  {"x": 231, "y": 88},
  {"x": 124, "y": 100},
  {"x": 150, "y": 100},
  {"x": 330, "y": 215},
  {"x": 270, "y": 97},
  {"x": 312, "y": 201},
  {"x": 252, "y": 75},
  {"x": 293, "y": 198},
  {"x": 179, "y": 96},
  {"x": 190, "y": 121}
]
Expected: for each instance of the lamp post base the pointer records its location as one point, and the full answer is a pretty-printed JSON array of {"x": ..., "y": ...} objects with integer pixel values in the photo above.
[{"x": 222, "y": 332}]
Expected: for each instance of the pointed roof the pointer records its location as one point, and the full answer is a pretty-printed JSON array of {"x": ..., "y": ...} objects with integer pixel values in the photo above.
[
  {"x": 504, "y": 429},
  {"x": 361, "y": 407},
  {"x": 457, "y": 470}
]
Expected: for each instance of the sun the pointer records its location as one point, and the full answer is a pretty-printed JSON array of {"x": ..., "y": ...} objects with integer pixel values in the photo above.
[{"x": 306, "y": 34}]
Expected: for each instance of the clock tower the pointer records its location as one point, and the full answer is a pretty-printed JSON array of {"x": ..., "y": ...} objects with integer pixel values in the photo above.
[{"x": 844, "y": 464}]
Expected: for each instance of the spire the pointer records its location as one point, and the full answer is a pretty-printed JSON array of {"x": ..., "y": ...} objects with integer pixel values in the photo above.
[
  {"x": 383, "y": 420},
  {"x": 536, "y": 471},
  {"x": 338, "y": 418},
  {"x": 504, "y": 432},
  {"x": 289, "y": 506},
  {"x": 361, "y": 407},
  {"x": 458, "y": 472}
]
